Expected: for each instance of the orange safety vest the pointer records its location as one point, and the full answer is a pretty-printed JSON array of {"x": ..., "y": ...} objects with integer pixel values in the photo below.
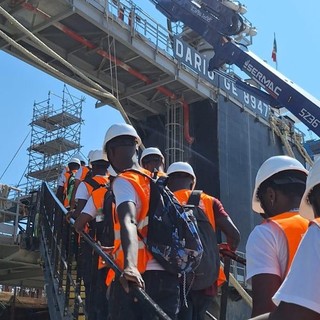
[
  {"x": 294, "y": 227},
  {"x": 84, "y": 172},
  {"x": 102, "y": 180},
  {"x": 141, "y": 185},
  {"x": 67, "y": 198},
  {"x": 206, "y": 204}
]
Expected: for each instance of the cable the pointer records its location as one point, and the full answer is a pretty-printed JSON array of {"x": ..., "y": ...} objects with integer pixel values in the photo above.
[
  {"x": 14, "y": 155},
  {"x": 23, "y": 174}
]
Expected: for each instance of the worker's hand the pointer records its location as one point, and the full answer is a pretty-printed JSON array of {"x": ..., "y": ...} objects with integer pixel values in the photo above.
[
  {"x": 71, "y": 214},
  {"x": 131, "y": 275},
  {"x": 226, "y": 251},
  {"x": 224, "y": 247}
]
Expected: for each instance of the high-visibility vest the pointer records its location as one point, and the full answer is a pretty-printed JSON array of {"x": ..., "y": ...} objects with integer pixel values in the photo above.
[
  {"x": 141, "y": 185},
  {"x": 294, "y": 227},
  {"x": 102, "y": 180},
  {"x": 84, "y": 172}
]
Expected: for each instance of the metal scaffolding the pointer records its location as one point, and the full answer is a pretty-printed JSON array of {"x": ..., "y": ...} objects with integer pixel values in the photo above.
[{"x": 55, "y": 137}]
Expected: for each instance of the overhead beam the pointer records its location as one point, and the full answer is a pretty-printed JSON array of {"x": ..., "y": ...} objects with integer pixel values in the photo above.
[
  {"x": 147, "y": 87},
  {"x": 38, "y": 28}
]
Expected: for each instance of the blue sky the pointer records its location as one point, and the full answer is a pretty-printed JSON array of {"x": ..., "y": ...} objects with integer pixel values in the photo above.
[{"x": 294, "y": 23}]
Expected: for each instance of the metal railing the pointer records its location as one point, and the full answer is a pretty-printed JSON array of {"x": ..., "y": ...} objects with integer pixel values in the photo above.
[
  {"x": 59, "y": 251},
  {"x": 9, "y": 213},
  {"x": 132, "y": 17}
]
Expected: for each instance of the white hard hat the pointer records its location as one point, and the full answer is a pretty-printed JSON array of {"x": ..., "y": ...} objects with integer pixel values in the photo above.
[
  {"x": 181, "y": 167},
  {"x": 75, "y": 160},
  {"x": 90, "y": 154},
  {"x": 149, "y": 151},
  {"x": 313, "y": 179},
  {"x": 270, "y": 167},
  {"x": 98, "y": 155},
  {"x": 121, "y": 129}
]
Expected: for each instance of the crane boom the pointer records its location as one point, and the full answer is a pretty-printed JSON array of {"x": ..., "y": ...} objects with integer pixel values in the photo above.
[{"x": 217, "y": 23}]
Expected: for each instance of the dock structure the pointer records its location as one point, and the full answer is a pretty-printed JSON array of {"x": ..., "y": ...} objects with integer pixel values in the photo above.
[{"x": 158, "y": 73}]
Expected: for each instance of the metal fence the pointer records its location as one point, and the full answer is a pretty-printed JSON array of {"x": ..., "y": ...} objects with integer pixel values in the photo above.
[{"x": 58, "y": 248}]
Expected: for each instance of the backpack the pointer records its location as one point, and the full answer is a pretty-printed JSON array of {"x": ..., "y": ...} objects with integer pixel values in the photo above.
[
  {"x": 172, "y": 236},
  {"x": 208, "y": 270},
  {"x": 105, "y": 228}
]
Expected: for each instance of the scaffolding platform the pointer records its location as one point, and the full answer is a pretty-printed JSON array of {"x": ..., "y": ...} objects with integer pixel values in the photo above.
[
  {"x": 56, "y": 146},
  {"x": 57, "y": 121},
  {"x": 47, "y": 174}
]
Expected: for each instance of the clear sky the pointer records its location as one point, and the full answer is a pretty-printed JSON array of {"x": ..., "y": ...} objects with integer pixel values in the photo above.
[{"x": 293, "y": 21}]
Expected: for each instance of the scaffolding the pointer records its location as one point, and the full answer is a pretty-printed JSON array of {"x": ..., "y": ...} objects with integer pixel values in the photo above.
[{"x": 55, "y": 137}]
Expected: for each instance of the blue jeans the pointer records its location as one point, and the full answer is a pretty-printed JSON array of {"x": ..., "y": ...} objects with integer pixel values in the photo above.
[{"x": 161, "y": 286}]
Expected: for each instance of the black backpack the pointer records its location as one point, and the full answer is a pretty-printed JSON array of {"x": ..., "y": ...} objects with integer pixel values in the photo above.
[
  {"x": 105, "y": 228},
  {"x": 172, "y": 236},
  {"x": 104, "y": 231},
  {"x": 208, "y": 270}
]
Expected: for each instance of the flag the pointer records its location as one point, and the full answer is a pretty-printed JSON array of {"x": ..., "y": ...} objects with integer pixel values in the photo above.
[{"x": 274, "y": 49}]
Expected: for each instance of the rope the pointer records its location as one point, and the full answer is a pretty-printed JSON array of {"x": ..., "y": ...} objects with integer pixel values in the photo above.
[
  {"x": 14, "y": 156},
  {"x": 283, "y": 131},
  {"x": 297, "y": 139}
]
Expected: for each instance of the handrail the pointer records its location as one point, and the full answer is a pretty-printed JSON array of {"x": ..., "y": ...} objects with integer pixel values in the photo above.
[
  {"x": 58, "y": 250},
  {"x": 57, "y": 240}
]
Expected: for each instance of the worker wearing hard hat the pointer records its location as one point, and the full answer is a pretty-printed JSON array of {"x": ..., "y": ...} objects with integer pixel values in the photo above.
[
  {"x": 83, "y": 172},
  {"x": 181, "y": 181},
  {"x": 98, "y": 179},
  {"x": 153, "y": 160},
  {"x": 132, "y": 195},
  {"x": 279, "y": 186},
  {"x": 298, "y": 296},
  {"x": 66, "y": 182}
]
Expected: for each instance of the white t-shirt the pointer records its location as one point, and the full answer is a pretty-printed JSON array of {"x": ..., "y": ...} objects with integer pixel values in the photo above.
[
  {"x": 124, "y": 191},
  {"x": 62, "y": 177},
  {"x": 302, "y": 284},
  {"x": 82, "y": 192},
  {"x": 266, "y": 251},
  {"x": 90, "y": 208}
]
